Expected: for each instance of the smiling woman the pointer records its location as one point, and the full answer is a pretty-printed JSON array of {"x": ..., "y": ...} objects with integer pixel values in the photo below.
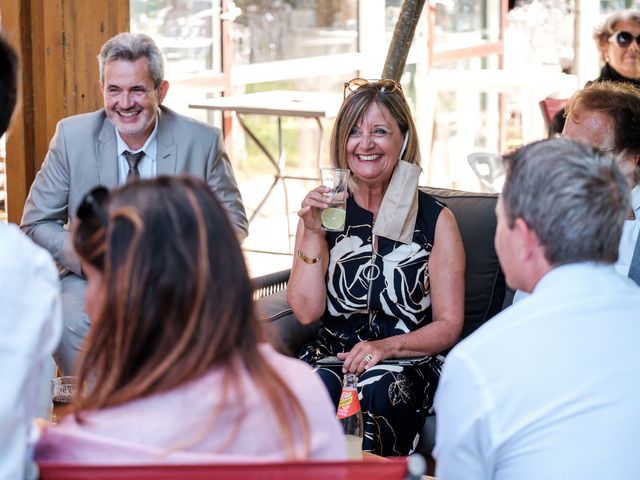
[
  {"x": 619, "y": 49},
  {"x": 617, "y": 42},
  {"x": 391, "y": 284}
]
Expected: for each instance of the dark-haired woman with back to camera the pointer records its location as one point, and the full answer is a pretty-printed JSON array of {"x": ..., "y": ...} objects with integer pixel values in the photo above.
[{"x": 176, "y": 364}]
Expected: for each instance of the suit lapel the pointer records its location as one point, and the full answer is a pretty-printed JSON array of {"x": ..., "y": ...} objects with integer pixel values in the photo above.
[
  {"x": 167, "y": 148},
  {"x": 107, "y": 156}
]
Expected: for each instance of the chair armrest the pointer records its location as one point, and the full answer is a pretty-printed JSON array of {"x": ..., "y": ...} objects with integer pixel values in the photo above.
[
  {"x": 285, "y": 332},
  {"x": 270, "y": 283}
]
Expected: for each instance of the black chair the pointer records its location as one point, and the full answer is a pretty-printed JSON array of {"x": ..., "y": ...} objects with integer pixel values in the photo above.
[{"x": 485, "y": 288}]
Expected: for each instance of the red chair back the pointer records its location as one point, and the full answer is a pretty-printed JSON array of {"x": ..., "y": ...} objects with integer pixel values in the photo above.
[
  {"x": 370, "y": 470},
  {"x": 549, "y": 107}
]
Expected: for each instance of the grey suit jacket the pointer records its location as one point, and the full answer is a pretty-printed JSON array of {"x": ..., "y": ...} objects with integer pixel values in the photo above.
[{"x": 82, "y": 154}]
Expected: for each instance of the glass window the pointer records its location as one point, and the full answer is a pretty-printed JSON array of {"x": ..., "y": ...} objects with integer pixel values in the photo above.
[
  {"x": 466, "y": 121},
  {"x": 316, "y": 45},
  {"x": 607, "y": 6},
  {"x": 466, "y": 23},
  {"x": 183, "y": 29},
  {"x": 267, "y": 31}
]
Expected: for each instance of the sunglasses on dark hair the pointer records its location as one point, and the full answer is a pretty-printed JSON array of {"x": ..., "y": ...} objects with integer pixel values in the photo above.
[
  {"x": 624, "y": 39},
  {"x": 91, "y": 206},
  {"x": 384, "y": 85}
]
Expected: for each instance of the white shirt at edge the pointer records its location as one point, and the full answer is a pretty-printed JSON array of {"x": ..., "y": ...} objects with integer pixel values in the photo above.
[
  {"x": 548, "y": 388},
  {"x": 629, "y": 237},
  {"x": 31, "y": 325}
]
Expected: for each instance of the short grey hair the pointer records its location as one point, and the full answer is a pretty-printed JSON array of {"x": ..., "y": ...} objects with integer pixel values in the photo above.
[
  {"x": 603, "y": 31},
  {"x": 131, "y": 47},
  {"x": 572, "y": 195}
]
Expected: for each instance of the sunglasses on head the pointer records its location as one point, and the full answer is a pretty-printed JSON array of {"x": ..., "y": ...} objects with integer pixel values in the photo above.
[
  {"x": 624, "y": 39},
  {"x": 384, "y": 85},
  {"x": 91, "y": 206}
]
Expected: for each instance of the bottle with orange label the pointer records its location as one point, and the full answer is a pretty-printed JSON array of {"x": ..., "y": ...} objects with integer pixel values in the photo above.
[{"x": 350, "y": 416}]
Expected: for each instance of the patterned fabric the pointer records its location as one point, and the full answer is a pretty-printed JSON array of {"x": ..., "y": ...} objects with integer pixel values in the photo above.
[
  {"x": 395, "y": 401},
  {"x": 375, "y": 295}
]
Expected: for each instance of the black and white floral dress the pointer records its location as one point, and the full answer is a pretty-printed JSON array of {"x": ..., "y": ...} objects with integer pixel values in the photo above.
[{"x": 374, "y": 295}]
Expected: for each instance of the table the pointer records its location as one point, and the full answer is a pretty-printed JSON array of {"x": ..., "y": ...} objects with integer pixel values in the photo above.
[{"x": 278, "y": 103}]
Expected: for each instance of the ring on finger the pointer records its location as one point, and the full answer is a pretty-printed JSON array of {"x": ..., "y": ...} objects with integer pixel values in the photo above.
[{"x": 368, "y": 357}]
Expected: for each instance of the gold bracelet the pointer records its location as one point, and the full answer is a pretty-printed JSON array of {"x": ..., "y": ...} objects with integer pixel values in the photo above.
[
  {"x": 403, "y": 340},
  {"x": 308, "y": 260}
]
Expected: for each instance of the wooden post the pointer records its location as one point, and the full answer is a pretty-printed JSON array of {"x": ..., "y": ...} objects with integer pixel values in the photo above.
[
  {"x": 58, "y": 42},
  {"x": 401, "y": 40}
]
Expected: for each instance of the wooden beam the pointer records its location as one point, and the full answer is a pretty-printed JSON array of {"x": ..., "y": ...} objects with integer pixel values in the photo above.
[
  {"x": 15, "y": 25},
  {"x": 456, "y": 54},
  {"x": 58, "y": 41}
]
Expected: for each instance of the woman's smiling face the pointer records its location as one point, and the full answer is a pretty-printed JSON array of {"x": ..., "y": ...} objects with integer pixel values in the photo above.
[
  {"x": 625, "y": 60},
  {"x": 374, "y": 145}
]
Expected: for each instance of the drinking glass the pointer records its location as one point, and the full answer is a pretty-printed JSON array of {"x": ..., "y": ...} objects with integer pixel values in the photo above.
[
  {"x": 333, "y": 217},
  {"x": 63, "y": 390}
]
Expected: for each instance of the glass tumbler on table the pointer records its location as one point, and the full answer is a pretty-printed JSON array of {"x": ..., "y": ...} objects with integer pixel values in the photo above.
[{"x": 63, "y": 390}]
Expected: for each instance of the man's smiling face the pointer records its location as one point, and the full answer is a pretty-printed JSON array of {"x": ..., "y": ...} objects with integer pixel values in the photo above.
[{"x": 130, "y": 99}]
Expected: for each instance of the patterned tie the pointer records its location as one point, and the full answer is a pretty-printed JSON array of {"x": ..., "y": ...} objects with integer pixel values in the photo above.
[
  {"x": 133, "y": 159},
  {"x": 634, "y": 269}
]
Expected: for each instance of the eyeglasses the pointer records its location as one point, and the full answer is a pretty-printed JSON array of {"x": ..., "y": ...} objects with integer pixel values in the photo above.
[
  {"x": 602, "y": 149},
  {"x": 91, "y": 206},
  {"x": 384, "y": 85},
  {"x": 624, "y": 39}
]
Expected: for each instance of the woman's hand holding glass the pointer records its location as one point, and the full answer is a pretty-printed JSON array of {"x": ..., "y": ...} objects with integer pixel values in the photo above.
[{"x": 316, "y": 200}]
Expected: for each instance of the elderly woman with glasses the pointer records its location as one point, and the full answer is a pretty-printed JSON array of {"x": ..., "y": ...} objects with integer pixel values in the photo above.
[
  {"x": 176, "y": 363},
  {"x": 618, "y": 42},
  {"x": 389, "y": 288}
]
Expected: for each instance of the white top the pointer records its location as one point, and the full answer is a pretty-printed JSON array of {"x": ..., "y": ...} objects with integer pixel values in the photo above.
[
  {"x": 548, "y": 389},
  {"x": 31, "y": 325},
  {"x": 148, "y": 164},
  {"x": 629, "y": 237},
  {"x": 181, "y": 426}
]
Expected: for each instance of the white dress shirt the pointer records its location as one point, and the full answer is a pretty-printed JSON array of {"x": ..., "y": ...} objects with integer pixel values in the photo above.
[
  {"x": 629, "y": 237},
  {"x": 31, "y": 325},
  {"x": 548, "y": 388},
  {"x": 148, "y": 164}
]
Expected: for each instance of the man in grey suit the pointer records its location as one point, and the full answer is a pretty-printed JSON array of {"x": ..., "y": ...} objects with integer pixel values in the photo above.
[{"x": 133, "y": 136}]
